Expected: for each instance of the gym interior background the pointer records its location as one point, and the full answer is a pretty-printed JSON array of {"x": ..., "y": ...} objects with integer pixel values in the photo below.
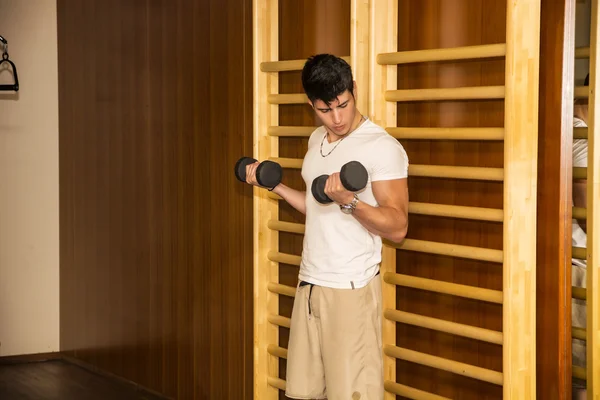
[{"x": 125, "y": 240}]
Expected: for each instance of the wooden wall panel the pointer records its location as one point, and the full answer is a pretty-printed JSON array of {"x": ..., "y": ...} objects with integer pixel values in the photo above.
[
  {"x": 431, "y": 24},
  {"x": 557, "y": 45},
  {"x": 156, "y": 233}
]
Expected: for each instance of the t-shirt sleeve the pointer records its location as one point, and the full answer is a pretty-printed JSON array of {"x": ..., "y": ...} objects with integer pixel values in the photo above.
[
  {"x": 579, "y": 146},
  {"x": 580, "y": 152},
  {"x": 389, "y": 160},
  {"x": 314, "y": 137}
]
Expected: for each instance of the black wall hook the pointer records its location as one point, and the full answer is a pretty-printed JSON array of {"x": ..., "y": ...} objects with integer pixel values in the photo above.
[{"x": 15, "y": 86}]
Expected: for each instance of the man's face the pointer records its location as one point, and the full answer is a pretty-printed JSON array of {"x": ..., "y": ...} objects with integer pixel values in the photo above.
[{"x": 337, "y": 117}]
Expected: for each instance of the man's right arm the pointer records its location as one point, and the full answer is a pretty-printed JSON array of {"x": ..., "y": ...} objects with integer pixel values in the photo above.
[
  {"x": 295, "y": 198},
  {"x": 580, "y": 198},
  {"x": 580, "y": 152}
]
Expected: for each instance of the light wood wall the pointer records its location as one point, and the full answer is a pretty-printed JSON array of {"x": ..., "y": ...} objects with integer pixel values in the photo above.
[{"x": 439, "y": 24}]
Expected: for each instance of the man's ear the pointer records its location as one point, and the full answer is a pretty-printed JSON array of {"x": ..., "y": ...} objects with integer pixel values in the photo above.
[{"x": 354, "y": 91}]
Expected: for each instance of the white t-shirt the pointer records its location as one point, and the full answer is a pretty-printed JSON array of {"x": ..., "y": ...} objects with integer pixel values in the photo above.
[
  {"x": 338, "y": 251},
  {"x": 580, "y": 151}
]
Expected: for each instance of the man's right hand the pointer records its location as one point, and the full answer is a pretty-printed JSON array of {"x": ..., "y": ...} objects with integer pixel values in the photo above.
[{"x": 251, "y": 174}]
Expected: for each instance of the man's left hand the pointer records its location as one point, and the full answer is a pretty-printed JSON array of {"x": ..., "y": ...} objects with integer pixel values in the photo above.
[{"x": 336, "y": 191}]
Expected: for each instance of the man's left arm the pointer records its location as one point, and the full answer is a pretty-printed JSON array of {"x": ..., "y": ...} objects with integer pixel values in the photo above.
[{"x": 390, "y": 219}]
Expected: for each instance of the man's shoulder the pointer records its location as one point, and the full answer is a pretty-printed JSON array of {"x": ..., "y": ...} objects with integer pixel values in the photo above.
[
  {"x": 381, "y": 148},
  {"x": 374, "y": 127},
  {"x": 379, "y": 136}
]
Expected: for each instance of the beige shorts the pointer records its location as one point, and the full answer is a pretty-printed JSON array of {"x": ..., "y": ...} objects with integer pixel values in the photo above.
[{"x": 335, "y": 346}]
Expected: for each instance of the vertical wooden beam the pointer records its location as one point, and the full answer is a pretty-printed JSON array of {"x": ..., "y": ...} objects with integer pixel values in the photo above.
[
  {"x": 553, "y": 320},
  {"x": 383, "y": 39},
  {"x": 265, "y": 41},
  {"x": 593, "y": 219},
  {"x": 359, "y": 50},
  {"x": 520, "y": 194}
]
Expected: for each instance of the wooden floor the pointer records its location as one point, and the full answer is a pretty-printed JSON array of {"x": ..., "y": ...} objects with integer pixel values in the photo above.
[{"x": 61, "y": 380}]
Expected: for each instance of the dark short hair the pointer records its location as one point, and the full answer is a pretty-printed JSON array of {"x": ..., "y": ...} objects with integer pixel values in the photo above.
[{"x": 325, "y": 77}]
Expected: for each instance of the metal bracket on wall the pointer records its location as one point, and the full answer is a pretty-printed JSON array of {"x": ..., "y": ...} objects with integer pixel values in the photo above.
[{"x": 8, "y": 87}]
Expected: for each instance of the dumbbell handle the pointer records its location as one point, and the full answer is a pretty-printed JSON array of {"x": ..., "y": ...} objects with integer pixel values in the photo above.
[
  {"x": 353, "y": 175},
  {"x": 268, "y": 173}
]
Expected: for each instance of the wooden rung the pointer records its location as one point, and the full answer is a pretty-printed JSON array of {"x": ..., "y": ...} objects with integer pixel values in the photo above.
[
  {"x": 460, "y": 93},
  {"x": 447, "y": 249},
  {"x": 496, "y": 134},
  {"x": 447, "y": 133},
  {"x": 282, "y": 289},
  {"x": 447, "y": 171},
  {"x": 294, "y": 98},
  {"x": 410, "y": 393},
  {"x": 423, "y": 246},
  {"x": 276, "y": 382},
  {"x": 579, "y": 373},
  {"x": 578, "y": 333},
  {"x": 431, "y": 171},
  {"x": 290, "y": 227},
  {"x": 579, "y": 253},
  {"x": 287, "y": 65},
  {"x": 472, "y": 332},
  {"x": 579, "y": 173},
  {"x": 453, "y": 289},
  {"x": 445, "y": 210},
  {"x": 453, "y": 53},
  {"x": 279, "y": 320},
  {"x": 580, "y": 133},
  {"x": 579, "y": 213},
  {"x": 291, "y": 131},
  {"x": 284, "y": 258},
  {"x": 277, "y": 351},
  {"x": 578, "y": 293},
  {"x": 582, "y": 92},
  {"x": 437, "y": 210},
  {"x": 582, "y": 52},
  {"x": 295, "y": 163},
  {"x": 471, "y": 371},
  {"x": 274, "y": 196}
]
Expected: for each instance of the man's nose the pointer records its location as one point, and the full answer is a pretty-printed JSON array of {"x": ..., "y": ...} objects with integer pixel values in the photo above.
[{"x": 337, "y": 117}]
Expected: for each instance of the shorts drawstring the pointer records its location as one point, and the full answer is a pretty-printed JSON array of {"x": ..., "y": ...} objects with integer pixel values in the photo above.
[
  {"x": 309, "y": 296},
  {"x": 303, "y": 283}
]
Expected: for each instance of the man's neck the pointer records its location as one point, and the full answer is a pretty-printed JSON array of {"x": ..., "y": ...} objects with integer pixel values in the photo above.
[{"x": 331, "y": 137}]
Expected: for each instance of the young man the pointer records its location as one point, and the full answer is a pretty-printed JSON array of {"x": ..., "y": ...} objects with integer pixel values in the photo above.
[{"x": 335, "y": 346}]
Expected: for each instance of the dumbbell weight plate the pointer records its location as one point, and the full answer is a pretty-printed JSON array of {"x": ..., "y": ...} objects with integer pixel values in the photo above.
[
  {"x": 240, "y": 167},
  {"x": 354, "y": 176},
  {"x": 318, "y": 189},
  {"x": 269, "y": 174}
]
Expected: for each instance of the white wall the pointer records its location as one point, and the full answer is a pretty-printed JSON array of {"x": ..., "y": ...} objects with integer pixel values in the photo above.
[{"x": 29, "y": 265}]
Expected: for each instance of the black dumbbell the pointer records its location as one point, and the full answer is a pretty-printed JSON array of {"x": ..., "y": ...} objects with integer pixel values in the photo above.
[
  {"x": 268, "y": 173},
  {"x": 353, "y": 175}
]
